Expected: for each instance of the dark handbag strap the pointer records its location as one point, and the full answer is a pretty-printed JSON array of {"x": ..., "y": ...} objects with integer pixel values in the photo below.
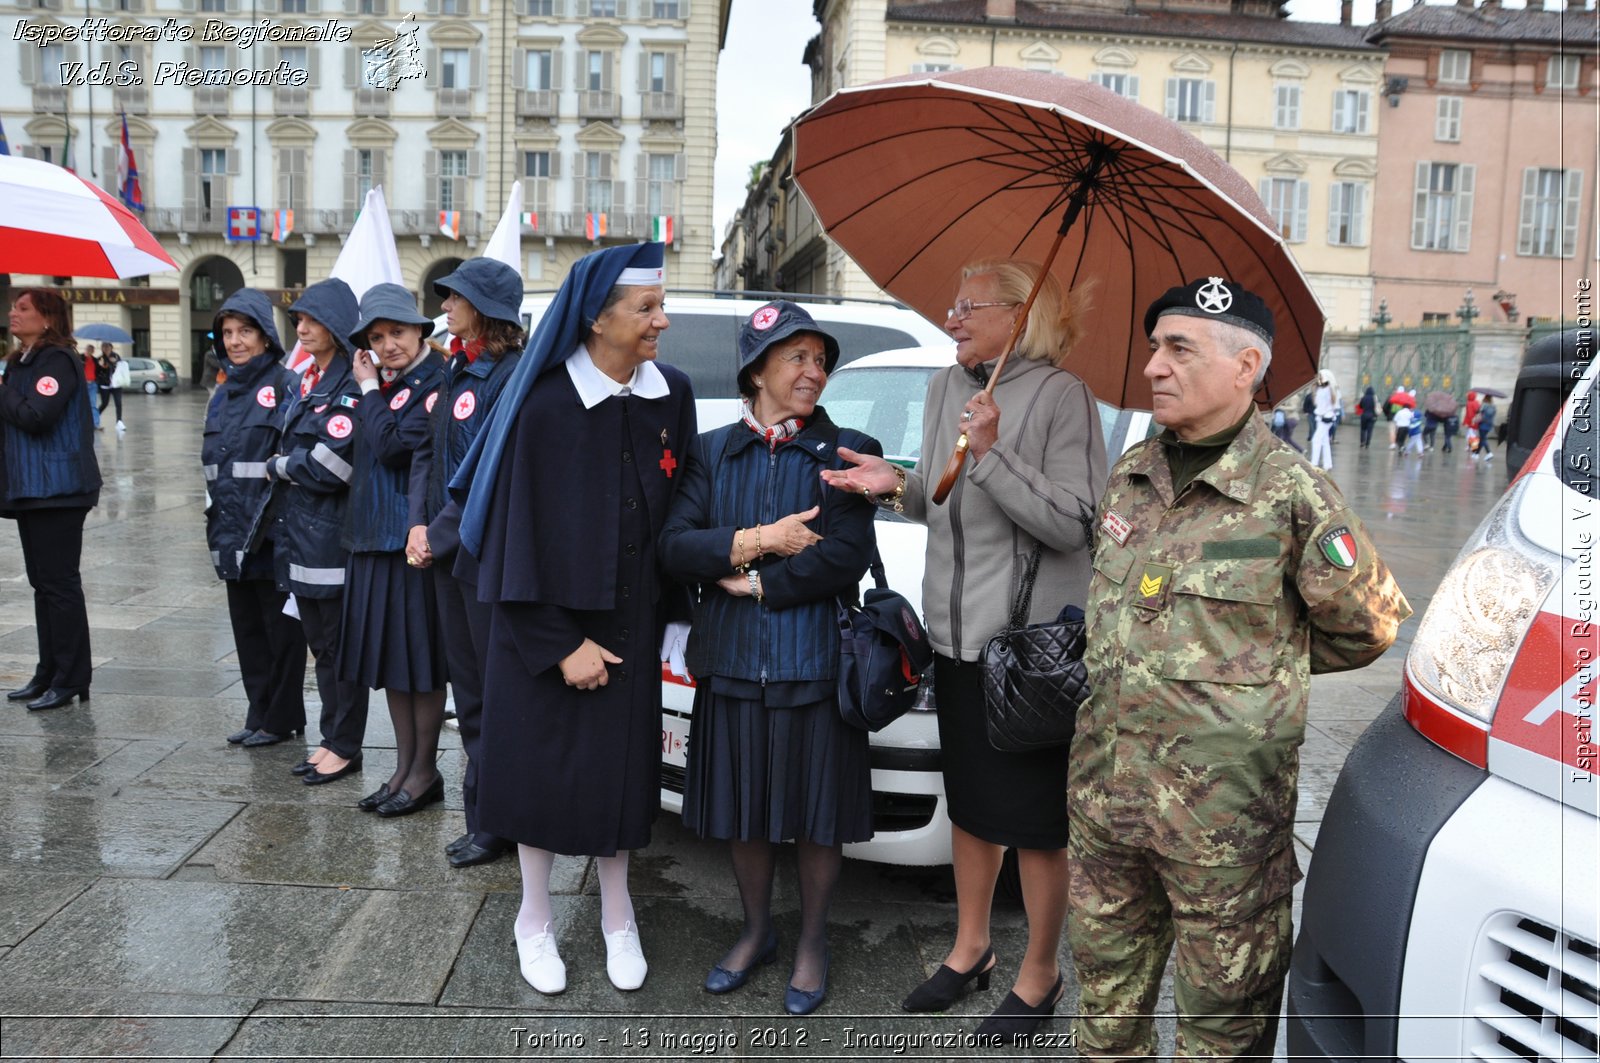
[{"x": 1024, "y": 601}]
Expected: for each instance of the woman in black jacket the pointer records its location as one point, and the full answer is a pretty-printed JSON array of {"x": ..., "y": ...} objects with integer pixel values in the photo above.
[
  {"x": 769, "y": 757},
  {"x": 389, "y": 638},
  {"x": 241, "y": 433},
  {"x": 49, "y": 480}
]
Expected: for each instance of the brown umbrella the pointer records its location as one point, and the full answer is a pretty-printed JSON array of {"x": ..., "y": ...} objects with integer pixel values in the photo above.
[
  {"x": 1440, "y": 403},
  {"x": 917, "y": 176}
]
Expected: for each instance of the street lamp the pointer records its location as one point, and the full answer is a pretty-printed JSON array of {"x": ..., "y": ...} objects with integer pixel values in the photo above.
[
  {"x": 1468, "y": 309},
  {"x": 1382, "y": 318}
]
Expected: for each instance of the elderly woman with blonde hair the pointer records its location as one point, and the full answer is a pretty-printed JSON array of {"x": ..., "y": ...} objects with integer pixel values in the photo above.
[{"x": 1035, "y": 469}]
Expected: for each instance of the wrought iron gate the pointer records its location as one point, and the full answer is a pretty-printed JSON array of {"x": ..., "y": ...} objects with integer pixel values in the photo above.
[{"x": 1427, "y": 359}]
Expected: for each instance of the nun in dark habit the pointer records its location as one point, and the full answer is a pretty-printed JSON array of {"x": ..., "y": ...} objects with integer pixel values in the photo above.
[{"x": 564, "y": 493}]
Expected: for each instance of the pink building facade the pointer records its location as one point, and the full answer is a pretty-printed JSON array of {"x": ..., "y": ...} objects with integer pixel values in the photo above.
[{"x": 1488, "y": 164}]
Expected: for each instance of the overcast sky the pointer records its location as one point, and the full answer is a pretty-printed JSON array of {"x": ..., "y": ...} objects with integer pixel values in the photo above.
[{"x": 762, "y": 84}]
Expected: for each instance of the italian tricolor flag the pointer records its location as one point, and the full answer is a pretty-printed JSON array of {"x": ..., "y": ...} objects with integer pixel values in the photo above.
[
  {"x": 1339, "y": 546},
  {"x": 661, "y": 228},
  {"x": 530, "y": 218}
]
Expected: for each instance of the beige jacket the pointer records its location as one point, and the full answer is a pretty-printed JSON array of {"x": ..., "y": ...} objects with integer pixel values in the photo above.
[{"x": 1038, "y": 483}]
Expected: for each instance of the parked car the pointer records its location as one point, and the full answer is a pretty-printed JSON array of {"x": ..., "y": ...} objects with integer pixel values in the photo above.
[
  {"x": 1452, "y": 909},
  {"x": 151, "y": 375},
  {"x": 882, "y": 394}
]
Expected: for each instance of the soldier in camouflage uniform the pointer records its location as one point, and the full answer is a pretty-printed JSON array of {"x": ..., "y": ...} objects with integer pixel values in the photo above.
[{"x": 1227, "y": 571}]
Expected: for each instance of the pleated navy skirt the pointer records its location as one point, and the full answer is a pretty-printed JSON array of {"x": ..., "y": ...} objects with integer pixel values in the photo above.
[
  {"x": 762, "y": 774},
  {"x": 389, "y": 637}
]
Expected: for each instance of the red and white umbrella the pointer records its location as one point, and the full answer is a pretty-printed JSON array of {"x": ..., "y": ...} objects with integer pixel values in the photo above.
[{"x": 55, "y": 223}]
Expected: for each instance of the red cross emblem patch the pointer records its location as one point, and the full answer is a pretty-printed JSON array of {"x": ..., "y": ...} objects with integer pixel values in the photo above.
[
  {"x": 400, "y": 398},
  {"x": 267, "y": 398},
  {"x": 433, "y": 397},
  {"x": 465, "y": 405},
  {"x": 339, "y": 426},
  {"x": 47, "y": 386}
]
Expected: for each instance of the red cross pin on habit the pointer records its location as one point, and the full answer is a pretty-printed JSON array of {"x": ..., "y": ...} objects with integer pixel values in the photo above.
[{"x": 667, "y": 462}]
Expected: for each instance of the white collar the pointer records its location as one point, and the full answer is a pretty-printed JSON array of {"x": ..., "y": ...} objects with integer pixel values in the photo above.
[{"x": 594, "y": 387}]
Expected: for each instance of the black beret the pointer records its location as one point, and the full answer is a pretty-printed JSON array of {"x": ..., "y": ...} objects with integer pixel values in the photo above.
[{"x": 1217, "y": 299}]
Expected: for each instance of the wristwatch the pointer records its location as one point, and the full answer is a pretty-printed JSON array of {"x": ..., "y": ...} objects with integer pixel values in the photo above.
[{"x": 754, "y": 576}]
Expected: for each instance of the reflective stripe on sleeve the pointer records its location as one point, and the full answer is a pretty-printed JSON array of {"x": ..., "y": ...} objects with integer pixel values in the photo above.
[
  {"x": 250, "y": 470},
  {"x": 210, "y": 471},
  {"x": 319, "y": 577},
  {"x": 323, "y": 455}
]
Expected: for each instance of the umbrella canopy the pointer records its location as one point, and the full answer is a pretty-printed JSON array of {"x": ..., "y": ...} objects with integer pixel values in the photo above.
[
  {"x": 1402, "y": 397},
  {"x": 917, "y": 176},
  {"x": 60, "y": 225},
  {"x": 103, "y": 332},
  {"x": 1440, "y": 403},
  {"x": 1496, "y": 392}
]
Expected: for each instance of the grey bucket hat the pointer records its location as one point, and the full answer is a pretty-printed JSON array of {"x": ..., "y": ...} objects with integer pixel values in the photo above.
[
  {"x": 388, "y": 302},
  {"x": 493, "y": 288}
]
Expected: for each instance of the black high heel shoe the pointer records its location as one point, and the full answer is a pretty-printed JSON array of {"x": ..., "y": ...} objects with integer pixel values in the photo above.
[
  {"x": 374, "y": 799},
  {"x": 722, "y": 980},
  {"x": 947, "y": 985},
  {"x": 402, "y": 803},
  {"x": 1014, "y": 1018}
]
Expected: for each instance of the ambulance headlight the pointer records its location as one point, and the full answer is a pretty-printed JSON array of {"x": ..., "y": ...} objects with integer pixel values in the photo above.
[{"x": 1482, "y": 610}]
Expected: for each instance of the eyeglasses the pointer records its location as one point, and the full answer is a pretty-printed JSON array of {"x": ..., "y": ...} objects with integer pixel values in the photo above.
[{"x": 964, "y": 308}]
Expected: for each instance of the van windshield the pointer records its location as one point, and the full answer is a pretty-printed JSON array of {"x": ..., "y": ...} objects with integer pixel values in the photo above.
[{"x": 706, "y": 347}]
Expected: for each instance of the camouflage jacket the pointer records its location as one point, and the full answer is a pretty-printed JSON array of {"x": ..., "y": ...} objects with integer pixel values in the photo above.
[{"x": 1207, "y": 615}]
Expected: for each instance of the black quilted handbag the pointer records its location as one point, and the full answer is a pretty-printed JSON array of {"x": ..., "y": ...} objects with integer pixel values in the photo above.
[{"x": 1034, "y": 677}]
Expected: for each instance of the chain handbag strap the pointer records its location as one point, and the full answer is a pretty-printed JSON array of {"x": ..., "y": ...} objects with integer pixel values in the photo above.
[{"x": 1019, "y": 610}]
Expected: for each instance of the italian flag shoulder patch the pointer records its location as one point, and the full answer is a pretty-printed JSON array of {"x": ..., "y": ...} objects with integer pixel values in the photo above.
[{"x": 1339, "y": 547}]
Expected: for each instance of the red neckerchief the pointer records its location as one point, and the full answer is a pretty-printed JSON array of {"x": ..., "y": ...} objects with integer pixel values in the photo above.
[
  {"x": 471, "y": 350},
  {"x": 781, "y": 432},
  {"x": 309, "y": 381}
]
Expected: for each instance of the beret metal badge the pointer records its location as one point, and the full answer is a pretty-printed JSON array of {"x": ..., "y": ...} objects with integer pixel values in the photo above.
[{"x": 1214, "y": 297}]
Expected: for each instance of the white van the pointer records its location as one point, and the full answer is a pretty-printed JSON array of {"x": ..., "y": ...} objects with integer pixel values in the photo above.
[{"x": 1452, "y": 908}]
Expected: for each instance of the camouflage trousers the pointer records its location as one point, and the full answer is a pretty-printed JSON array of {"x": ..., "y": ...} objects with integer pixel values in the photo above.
[{"x": 1126, "y": 907}]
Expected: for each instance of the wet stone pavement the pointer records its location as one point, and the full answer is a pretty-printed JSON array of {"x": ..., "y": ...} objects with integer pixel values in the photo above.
[{"x": 163, "y": 894}]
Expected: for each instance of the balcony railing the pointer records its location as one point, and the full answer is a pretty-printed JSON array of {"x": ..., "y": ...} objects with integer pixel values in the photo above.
[
  {"x": 131, "y": 99},
  {"x": 597, "y": 104},
  {"x": 50, "y": 99},
  {"x": 452, "y": 102},
  {"x": 291, "y": 100},
  {"x": 660, "y": 105},
  {"x": 212, "y": 99},
  {"x": 538, "y": 103},
  {"x": 372, "y": 103}
]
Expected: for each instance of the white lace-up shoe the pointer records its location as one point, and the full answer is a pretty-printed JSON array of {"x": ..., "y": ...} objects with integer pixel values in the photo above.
[
  {"x": 541, "y": 963},
  {"x": 625, "y": 964}
]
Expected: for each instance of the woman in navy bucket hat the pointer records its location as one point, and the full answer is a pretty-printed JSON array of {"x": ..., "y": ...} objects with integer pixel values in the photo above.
[
  {"x": 772, "y": 549},
  {"x": 483, "y": 315},
  {"x": 389, "y": 638}
]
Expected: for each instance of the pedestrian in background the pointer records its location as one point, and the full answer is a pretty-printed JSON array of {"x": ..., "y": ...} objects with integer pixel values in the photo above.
[
  {"x": 482, "y": 310},
  {"x": 112, "y": 375},
  {"x": 240, "y": 434},
  {"x": 49, "y": 480},
  {"x": 1367, "y": 407},
  {"x": 1485, "y": 426},
  {"x": 1227, "y": 571},
  {"x": 389, "y": 636},
  {"x": 1326, "y": 402},
  {"x": 1403, "y": 416},
  {"x": 770, "y": 759},
  {"x": 312, "y": 472},
  {"x": 1035, "y": 467},
  {"x": 93, "y": 388}
]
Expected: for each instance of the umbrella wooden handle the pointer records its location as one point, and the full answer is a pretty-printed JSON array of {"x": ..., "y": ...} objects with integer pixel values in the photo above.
[{"x": 952, "y": 472}]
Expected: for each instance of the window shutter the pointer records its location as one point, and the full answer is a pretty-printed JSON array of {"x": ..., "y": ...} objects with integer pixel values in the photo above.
[
  {"x": 474, "y": 164},
  {"x": 519, "y": 68},
  {"x": 433, "y": 7},
  {"x": 641, "y": 185},
  {"x": 555, "y": 163},
  {"x": 1530, "y": 199},
  {"x": 1264, "y": 189},
  {"x": 1339, "y": 112},
  {"x": 431, "y": 79},
  {"x": 477, "y": 58},
  {"x": 555, "y": 71},
  {"x": 1363, "y": 111},
  {"x": 268, "y": 7},
  {"x": 26, "y": 65},
  {"x": 644, "y": 72},
  {"x": 1467, "y": 174},
  {"x": 430, "y": 179},
  {"x": 351, "y": 185},
  {"x": 606, "y": 71},
  {"x": 672, "y": 73},
  {"x": 1358, "y": 215},
  {"x": 1569, "y": 214},
  {"x": 191, "y": 55},
  {"x": 1302, "y": 210},
  {"x": 314, "y": 7},
  {"x": 191, "y": 182},
  {"x": 108, "y": 169},
  {"x": 1419, "y": 209},
  {"x": 1172, "y": 98},
  {"x": 680, "y": 164},
  {"x": 313, "y": 67},
  {"x": 1336, "y": 201},
  {"x": 352, "y": 68},
  {"x": 1208, "y": 110},
  {"x": 380, "y": 167},
  {"x": 1133, "y": 86}
]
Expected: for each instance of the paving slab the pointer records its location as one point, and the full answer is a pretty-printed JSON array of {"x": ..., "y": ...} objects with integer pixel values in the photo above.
[
  {"x": 116, "y": 1024},
  {"x": 80, "y": 835}
]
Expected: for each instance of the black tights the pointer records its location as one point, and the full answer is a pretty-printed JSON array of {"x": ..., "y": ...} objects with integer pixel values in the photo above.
[
  {"x": 753, "y": 865},
  {"x": 107, "y": 395},
  {"x": 417, "y": 718}
]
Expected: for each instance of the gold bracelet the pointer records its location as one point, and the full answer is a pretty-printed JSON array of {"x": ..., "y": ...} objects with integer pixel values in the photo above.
[
  {"x": 758, "y": 541},
  {"x": 738, "y": 544},
  {"x": 895, "y": 499}
]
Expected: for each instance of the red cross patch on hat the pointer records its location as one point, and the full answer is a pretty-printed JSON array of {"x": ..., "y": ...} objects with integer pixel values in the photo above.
[
  {"x": 465, "y": 405},
  {"x": 47, "y": 386},
  {"x": 400, "y": 398},
  {"x": 764, "y": 318},
  {"x": 339, "y": 426},
  {"x": 267, "y": 397}
]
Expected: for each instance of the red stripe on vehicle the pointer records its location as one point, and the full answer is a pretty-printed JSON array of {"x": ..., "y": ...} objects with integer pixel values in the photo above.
[{"x": 1446, "y": 728}]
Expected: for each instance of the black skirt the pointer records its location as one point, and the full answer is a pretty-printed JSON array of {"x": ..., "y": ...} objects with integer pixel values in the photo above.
[
  {"x": 763, "y": 774},
  {"x": 1011, "y": 799},
  {"x": 389, "y": 637}
]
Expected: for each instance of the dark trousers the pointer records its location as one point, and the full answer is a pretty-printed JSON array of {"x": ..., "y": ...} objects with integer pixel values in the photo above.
[
  {"x": 344, "y": 705},
  {"x": 108, "y": 395},
  {"x": 272, "y": 656},
  {"x": 465, "y": 623},
  {"x": 52, "y": 544},
  {"x": 1367, "y": 424}
]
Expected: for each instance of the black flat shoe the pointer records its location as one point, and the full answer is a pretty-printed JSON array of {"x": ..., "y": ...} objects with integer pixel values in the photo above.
[
  {"x": 317, "y": 778},
  {"x": 28, "y": 693},
  {"x": 56, "y": 697},
  {"x": 305, "y": 767},
  {"x": 722, "y": 980},
  {"x": 264, "y": 738},
  {"x": 482, "y": 849},
  {"x": 947, "y": 985},
  {"x": 805, "y": 1001},
  {"x": 459, "y": 844},
  {"x": 374, "y": 799},
  {"x": 239, "y": 736},
  {"x": 1014, "y": 1018},
  {"x": 403, "y": 804}
]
